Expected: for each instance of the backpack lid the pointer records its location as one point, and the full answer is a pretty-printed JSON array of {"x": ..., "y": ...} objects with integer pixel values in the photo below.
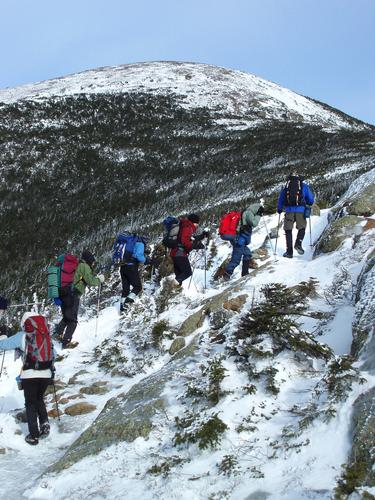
[{"x": 25, "y": 317}]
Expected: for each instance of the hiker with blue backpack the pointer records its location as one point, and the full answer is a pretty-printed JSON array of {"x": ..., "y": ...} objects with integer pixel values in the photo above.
[
  {"x": 128, "y": 252},
  {"x": 75, "y": 276},
  {"x": 296, "y": 199},
  {"x": 237, "y": 227},
  {"x": 34, "y": 346}
]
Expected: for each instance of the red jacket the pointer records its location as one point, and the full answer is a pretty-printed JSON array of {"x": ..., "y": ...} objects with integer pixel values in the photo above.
[{"x": 187, "y": 229}]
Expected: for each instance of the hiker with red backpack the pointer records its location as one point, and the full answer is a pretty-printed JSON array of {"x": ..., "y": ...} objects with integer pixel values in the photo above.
[
  {"x": 296, "y": 199},
  {"x": 186, "y": 240},
  {"x": 33, "y": 344},
  {"x": 70, "y": 293},
  {"x": 236, "y": 227}
]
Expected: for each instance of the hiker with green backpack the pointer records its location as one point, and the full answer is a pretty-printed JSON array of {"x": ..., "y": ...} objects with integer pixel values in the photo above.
[{"x": 74, "y": 277}]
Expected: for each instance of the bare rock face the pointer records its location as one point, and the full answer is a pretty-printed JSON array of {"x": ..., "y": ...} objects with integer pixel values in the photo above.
[
  {"x": 79, "y": 409},
  {"x": 177, "y": 344},
  {"x": 364, "y": 203},
  {"x": 363, "y": 433},
  {"x": 338, "y": 231},
  {"x": 363, "y": 344}
]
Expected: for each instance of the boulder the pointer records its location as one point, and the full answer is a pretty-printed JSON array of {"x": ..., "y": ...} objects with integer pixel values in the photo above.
[
  {"x": 3, "y": 451},
  {"x": 128, "y": 416},
  {"x": 53, "y": 413},
  {"x": 21, "y": 416},
  {"x": 236, "y": 303},
  {"x": 93, "y": 389},
  {"x": 73, "y": 380},
  {"x": 364, "y": 203},
  {"x": 177, "y": 344},
  {"x": 338, "y": 231},
  {"x": 219, "y": 319},
  {"x": 79, "y": 409},
  {"x": 64, "y": 401},
  {"x": 260, "y": 253}
]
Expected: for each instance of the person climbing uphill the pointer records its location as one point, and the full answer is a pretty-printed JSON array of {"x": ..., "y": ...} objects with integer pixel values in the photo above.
[
  {"x": 33, "y": 344},
  {"x": 296, "y": 198},
  {"x": 187, "y": 240},
  {"x": 249, "y": 219},
  {"x": 83, "y": 277},
  {"x": 129, "y": 272}
]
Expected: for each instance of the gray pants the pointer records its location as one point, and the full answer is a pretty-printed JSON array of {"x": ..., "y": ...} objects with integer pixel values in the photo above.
[{"x": 294, "y": 217}]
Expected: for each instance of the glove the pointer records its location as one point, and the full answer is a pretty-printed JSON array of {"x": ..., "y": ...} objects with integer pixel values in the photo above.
[
  {"x": 198, "y": 245},
  {"x": 101, "y": 278},
  {"x": 260, "y": 211},
  {"x": 57, "y": 301},
  {"x": 279, "y": 211}
]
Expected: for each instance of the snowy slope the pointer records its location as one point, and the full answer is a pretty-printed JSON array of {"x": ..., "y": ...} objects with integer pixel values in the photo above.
[
  {"x": 267, "y": 458},
  {"x": 250, "y": 99}
]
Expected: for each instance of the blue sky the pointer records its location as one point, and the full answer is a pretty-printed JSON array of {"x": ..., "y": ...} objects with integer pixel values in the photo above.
[{"x": 324, "y": 49}]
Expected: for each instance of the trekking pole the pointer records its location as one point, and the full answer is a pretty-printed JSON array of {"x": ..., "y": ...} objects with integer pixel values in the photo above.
[
  {"x": 277, "y": 232},
  {"x": 2, "y": 364},
  {"x": 205, "y": 268},
  {"x": 97, "y": 309},
  {"x": 26, "y": 304},
  {"x": 269, "y": 237},
  {"x": 191, "y": 277},
  {"x": 310, "y": 232},
  {"x": 56, "y": 403}
]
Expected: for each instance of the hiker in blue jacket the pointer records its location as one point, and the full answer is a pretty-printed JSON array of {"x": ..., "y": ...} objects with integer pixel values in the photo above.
[
  {"x": 129, "y": 271},
  {"x": 296, "y": 198}
]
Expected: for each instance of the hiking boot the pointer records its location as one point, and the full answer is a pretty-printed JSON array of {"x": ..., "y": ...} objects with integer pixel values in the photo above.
[
  {"x": 253, "y": 264},
  {"x": 219, "y": 273},
  {"x": 226, "y": 276},
  {"x": 69, "y": 345},
  {"x": 288, "y": 255},
  {"x": 31, "y": 440},
  {"x": 298, "y": 247},
  {"x": 44, "y": 430}
]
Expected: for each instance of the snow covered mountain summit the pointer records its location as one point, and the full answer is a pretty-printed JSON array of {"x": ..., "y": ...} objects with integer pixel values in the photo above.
[{"x": 241, "y": 99}]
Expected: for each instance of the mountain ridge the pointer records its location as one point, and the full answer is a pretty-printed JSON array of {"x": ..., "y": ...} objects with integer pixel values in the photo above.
[{"x": 80, "y": 167}]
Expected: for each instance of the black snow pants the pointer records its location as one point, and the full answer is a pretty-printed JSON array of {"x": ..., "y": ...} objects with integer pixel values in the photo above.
[
  {"x": 182, "y": 268},
  {"x": 34, "y": 389},
  {"x": 69, "y": 309},
  {"x": 130, "y": 278}
]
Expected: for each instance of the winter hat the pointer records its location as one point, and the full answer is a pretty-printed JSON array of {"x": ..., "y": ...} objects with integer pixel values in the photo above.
[
  {"x": 25, "y": 317},
  {"x": 88, "y": 257},
  {"x": 194, "y": 218}
]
